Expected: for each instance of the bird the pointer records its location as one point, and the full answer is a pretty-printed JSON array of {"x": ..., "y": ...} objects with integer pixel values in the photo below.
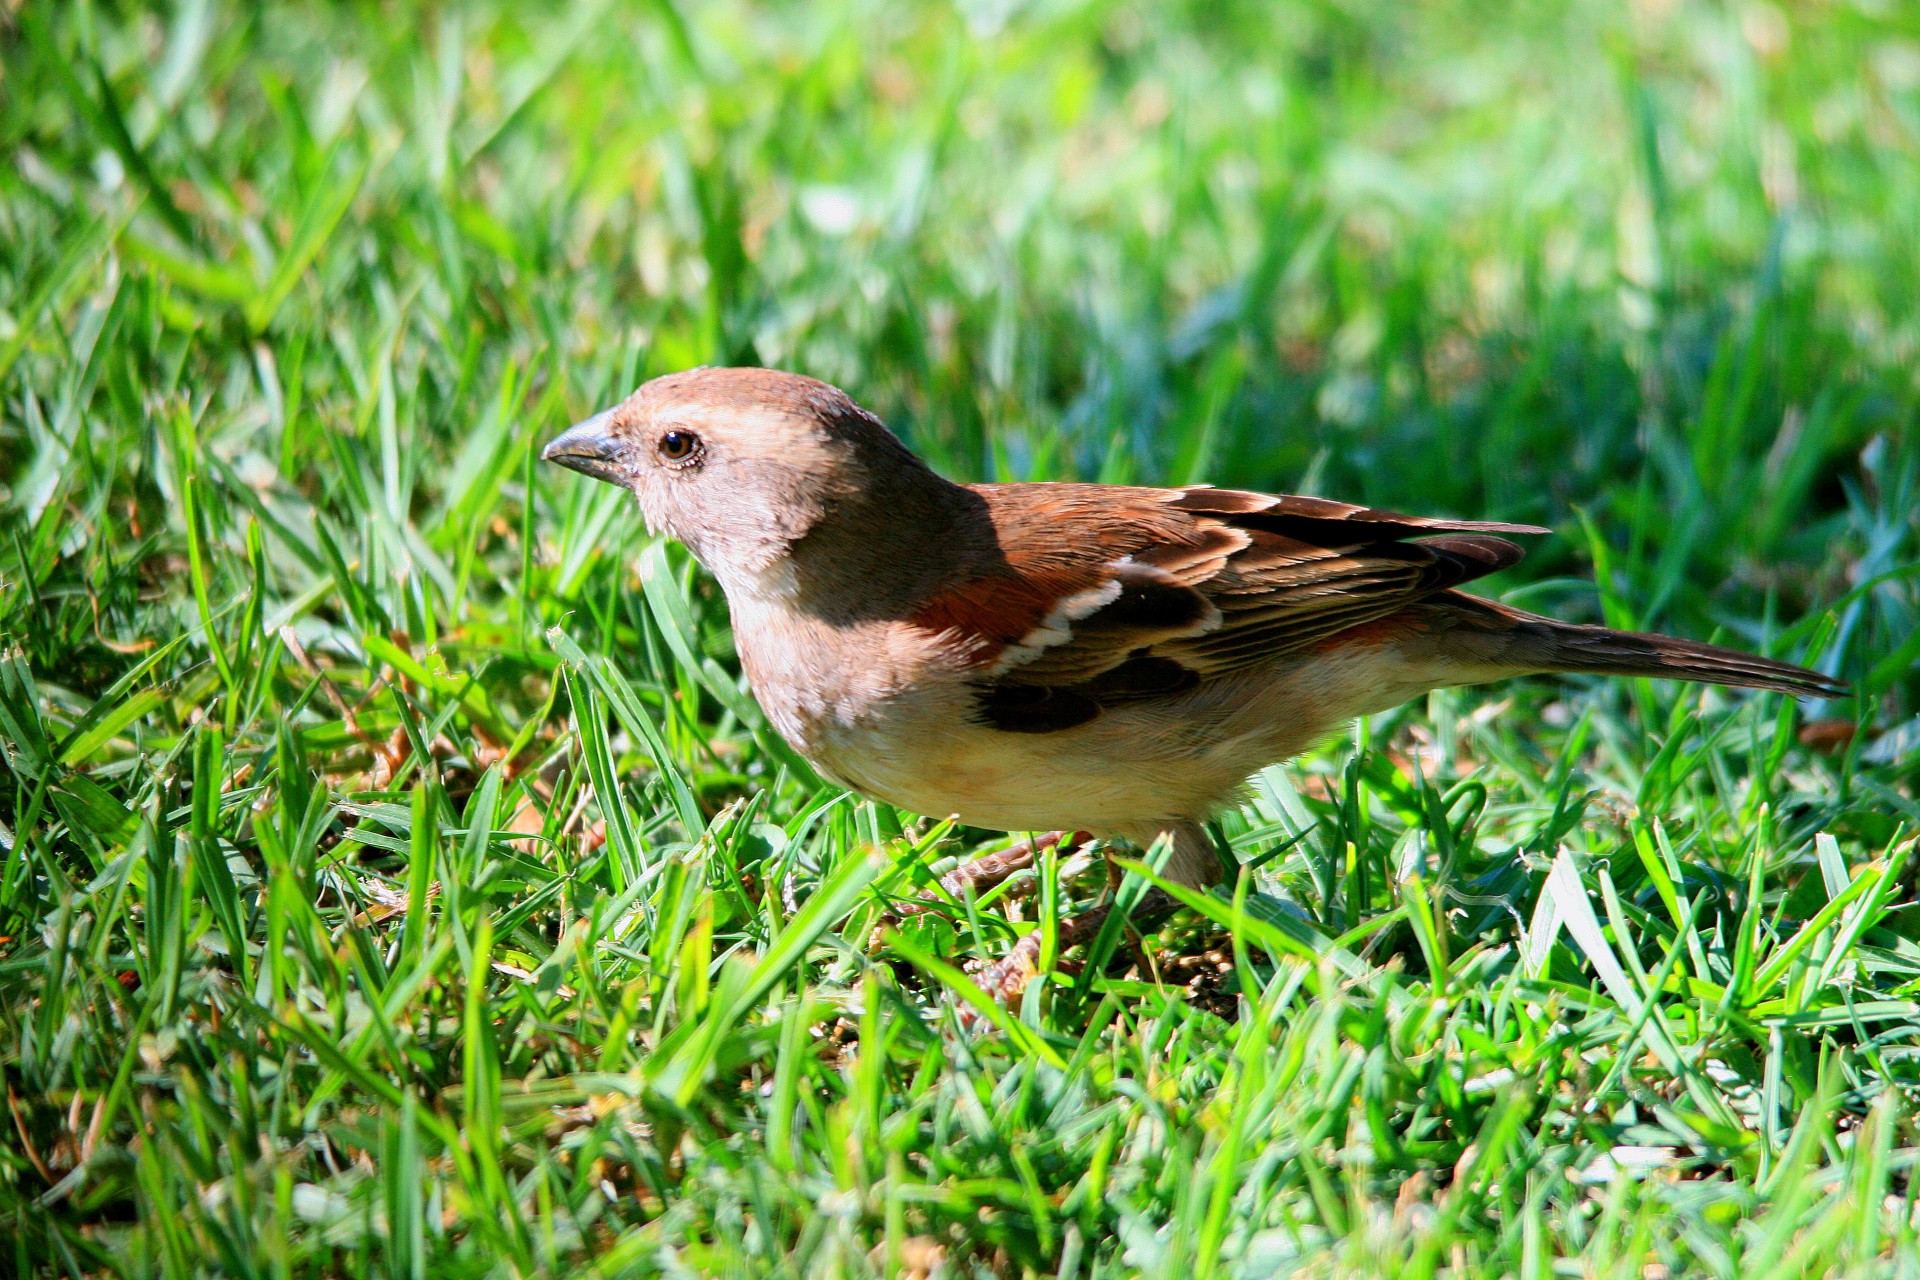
[{"x": 1084, "y": 660}]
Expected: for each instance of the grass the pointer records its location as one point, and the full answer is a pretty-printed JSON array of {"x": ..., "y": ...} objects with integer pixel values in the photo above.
[{"x": 399, "y": 881}]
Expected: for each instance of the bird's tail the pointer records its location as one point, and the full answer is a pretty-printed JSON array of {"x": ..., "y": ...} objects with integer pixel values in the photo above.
[{"x": 1528, "y": 642}]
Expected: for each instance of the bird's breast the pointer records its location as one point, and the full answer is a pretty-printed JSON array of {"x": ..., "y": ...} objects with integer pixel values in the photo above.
[{"x": 856, "y": 699}]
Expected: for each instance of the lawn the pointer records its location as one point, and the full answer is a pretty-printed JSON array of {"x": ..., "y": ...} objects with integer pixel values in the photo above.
[{"x": 397, "y": 878}]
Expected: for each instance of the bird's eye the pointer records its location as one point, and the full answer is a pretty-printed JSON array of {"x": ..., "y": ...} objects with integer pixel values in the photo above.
[{"x": 678, "y": 446}]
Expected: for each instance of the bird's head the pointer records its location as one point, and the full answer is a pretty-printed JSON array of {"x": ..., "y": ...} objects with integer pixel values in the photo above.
[{"x": 742, "y": 465}]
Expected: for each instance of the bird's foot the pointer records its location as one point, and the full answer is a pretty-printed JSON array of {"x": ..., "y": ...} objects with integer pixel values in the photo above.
[
  {"x": 1006, "y": 979},
  {"x": 978, "y": 876}
]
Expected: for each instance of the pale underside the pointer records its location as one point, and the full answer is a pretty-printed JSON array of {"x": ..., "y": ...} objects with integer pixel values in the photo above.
[{"x": 1136, "y": 770}]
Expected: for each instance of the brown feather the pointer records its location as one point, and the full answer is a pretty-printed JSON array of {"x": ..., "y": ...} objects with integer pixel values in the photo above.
[{"x": 1204, "y": 582}]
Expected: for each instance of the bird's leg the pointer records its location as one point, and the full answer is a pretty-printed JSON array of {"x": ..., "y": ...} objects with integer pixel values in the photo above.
[{"x": 1192, "y": 861}]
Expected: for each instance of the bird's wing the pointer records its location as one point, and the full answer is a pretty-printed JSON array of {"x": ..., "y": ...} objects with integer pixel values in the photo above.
[{"x": 1109, "y": 594}]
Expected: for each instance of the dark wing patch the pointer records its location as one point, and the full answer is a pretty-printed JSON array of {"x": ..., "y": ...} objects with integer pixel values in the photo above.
[
  {"x": 1143, "y": 676},
  {"x": 1038, "y": 708},
  {"x": 1035, "y": 708}
]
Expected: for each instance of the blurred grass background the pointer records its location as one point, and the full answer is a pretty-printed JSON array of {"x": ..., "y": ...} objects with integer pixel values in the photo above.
[{"x": 399, "y": 881}]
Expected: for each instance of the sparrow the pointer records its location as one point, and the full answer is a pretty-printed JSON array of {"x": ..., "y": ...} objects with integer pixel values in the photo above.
[{"x": 1106, "y": 660}]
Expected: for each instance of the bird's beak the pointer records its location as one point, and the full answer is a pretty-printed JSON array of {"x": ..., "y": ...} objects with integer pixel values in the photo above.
[{"x": 590, "y": 448}]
